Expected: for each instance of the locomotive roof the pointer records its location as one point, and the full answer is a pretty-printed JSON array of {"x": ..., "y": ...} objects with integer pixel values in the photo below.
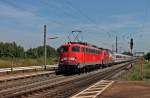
[{"x": 84, "y": 44}]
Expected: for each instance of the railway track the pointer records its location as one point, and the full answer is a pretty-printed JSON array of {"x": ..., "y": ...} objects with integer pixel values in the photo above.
[
  {"x": 73, "y": 87},
  {"x": 25, "y": 81},
  {"x": 58, "y": 86}
]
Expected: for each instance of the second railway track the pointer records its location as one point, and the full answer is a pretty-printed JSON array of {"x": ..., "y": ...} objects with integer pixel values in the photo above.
[{"x": 60, "y": 86}]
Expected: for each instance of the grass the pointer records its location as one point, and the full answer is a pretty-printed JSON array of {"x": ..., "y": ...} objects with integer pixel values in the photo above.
[
  {"x": 6, "y": 62},
  {"x": 147, "y": 71},
  {"x": 135, "y": 73}
]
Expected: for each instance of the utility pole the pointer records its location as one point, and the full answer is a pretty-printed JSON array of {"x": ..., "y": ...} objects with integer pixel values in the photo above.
[
  {"x": 45, "y": 50},
  {"x": 116, "y": 44}
]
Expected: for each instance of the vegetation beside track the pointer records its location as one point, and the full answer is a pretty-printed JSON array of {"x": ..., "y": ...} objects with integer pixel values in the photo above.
[
  {"x": 135, "y": 73},
  {"x": 6, "y": 62},
  {"x": 25, "y": 57}
]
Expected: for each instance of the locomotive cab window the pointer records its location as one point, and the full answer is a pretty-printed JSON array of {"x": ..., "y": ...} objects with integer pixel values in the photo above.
[
  {"x": 64, "y": 49},
  {"x": 76, "y": 49}
]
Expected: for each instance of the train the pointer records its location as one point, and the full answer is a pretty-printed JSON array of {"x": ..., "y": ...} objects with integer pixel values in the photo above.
[{"x": 76, "y": 57}]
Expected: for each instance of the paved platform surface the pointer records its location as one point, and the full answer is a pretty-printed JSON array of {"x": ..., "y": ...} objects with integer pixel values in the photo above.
[
  {"x": 127, "y": 89},
  {"x": 23, "y": 75},
  {"x": 3, "y": 70}
]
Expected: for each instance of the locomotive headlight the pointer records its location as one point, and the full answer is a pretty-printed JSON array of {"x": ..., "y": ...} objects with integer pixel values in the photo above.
[
  {"x": 65, "y": 58},
  {"x": 72, "y": 58}
]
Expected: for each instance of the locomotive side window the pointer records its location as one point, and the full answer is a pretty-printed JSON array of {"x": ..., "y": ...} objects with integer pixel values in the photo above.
[
  {"x": 92, "y": 51},
  {"x": 87, "y": 50},
  {"x": 76, "y": 49},
  {"x": 64, "y": 49}
]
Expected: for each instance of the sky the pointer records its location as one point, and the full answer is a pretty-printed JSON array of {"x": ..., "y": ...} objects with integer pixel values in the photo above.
[{"x": 100, "y": 21}]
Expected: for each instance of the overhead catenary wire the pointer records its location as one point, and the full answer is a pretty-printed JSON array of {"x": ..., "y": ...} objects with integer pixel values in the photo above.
[
  {"x": 52, "y": 6},
  {"x": 57, "y": 6},
  {"x": 90, "y": 20},
  {"x": 77, "y": 10},
  {"x": 76, "y": 14}
]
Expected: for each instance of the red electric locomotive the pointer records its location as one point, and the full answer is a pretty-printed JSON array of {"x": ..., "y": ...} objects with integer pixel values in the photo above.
[{"x": 79, "y": 56}]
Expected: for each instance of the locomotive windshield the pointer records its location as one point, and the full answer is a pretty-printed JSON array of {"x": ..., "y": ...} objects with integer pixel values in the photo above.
[
  {"x": 64, "y": 49},
  {"x": 76, "y": 49}
]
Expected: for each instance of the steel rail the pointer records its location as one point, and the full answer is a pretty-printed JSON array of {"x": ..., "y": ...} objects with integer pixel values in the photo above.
[
  {"x": 61, "y": 91},
  {"x": 25, "y": 81},
  {"x": 48, "y": 84}
]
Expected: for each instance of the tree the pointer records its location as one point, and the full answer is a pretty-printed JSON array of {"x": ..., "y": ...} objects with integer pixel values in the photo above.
[
  {"x": 18, "y": 51},
  {"x": 39, "y": 52},
  {"x": 127, "y": 53},
  {"x": 147, "y": 56},
  {"x": 11, "y": 48}
]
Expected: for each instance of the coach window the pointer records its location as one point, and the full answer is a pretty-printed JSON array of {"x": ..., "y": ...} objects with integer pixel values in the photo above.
[
  {"x": 76, "y": 49},
  {"x": 87, "y": 50},
  {"x": 98, "y": 52},
  {"x": 83, "y": 49}
]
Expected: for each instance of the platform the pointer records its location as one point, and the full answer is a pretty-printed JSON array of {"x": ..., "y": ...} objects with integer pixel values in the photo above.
[
  {"x": 116, "y": 89},
  {"x": 16, "y": 69},
  {"x": 127, "y": 89},
  {"x": 94, "y": 90},
  {"x": 23, "y": 75}
]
